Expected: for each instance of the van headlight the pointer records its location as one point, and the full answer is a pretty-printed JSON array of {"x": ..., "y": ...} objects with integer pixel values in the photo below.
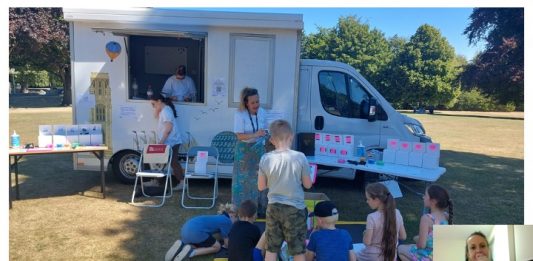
[{"x": 416, "y": 130}]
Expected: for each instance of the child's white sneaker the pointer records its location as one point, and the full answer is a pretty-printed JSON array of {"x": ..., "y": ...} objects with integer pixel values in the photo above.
[
  {"x": 184, "y": 253},
  {"x": 174, "y": 250},
  {"x": 178, "y": 187}
]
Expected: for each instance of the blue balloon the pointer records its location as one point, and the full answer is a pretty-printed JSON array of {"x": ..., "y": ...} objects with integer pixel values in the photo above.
[{"x": 112, "y": 49}]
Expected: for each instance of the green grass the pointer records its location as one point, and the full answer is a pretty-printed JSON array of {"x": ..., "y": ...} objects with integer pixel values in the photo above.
[{"x": 484, "y": 158}]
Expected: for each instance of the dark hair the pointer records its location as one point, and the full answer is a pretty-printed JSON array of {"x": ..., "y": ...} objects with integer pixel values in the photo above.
[
  {"x": 245, "y": 93},
  {"x": 390, "y": 234},
  {"x": 477, "y": 233},
  {"x": 247, "y": 209},
  {"x": 183, "y": 69},
  {"x": 442, "y": 197},
  {"x": 159, "y": 97}
]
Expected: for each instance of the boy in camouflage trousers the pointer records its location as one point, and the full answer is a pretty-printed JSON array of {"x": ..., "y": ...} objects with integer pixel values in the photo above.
[{"x": 284, "y": 171}]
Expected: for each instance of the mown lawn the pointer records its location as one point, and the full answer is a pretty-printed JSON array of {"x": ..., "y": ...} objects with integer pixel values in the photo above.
[{"x": 484, "y": 158}]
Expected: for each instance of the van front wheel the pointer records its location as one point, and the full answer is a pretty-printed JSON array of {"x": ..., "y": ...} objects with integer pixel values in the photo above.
[{"x": 125, "y": 165}]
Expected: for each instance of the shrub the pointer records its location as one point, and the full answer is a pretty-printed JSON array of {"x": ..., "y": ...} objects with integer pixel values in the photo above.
[{"x": 474, "y": 100}]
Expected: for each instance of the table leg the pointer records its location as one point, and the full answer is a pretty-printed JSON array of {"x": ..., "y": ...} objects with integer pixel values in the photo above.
[
  {"x": 102, "y": 172},
  {"x": 10, "y": 190},
  {"x": 17, "y": 158}
]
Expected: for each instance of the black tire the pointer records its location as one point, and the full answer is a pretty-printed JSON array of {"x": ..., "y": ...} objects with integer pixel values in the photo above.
[{"x": 125, "y": 165}]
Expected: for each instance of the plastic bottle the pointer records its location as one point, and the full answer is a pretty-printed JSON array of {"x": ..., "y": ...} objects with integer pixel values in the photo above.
[
  {"x": 15, "y": 140},
  {"x": 360, "y": 149},
  {"x": 149, "y": 92}
]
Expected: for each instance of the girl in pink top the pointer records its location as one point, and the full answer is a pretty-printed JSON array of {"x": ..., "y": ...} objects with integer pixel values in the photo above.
[{"x": 383, "y": 227}]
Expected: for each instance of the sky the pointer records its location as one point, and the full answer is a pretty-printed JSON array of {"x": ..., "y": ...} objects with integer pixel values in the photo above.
[{"x": 391, "y": 21}]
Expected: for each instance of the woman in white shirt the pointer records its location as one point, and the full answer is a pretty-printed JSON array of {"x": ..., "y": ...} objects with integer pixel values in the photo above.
[
  {"x": 168, "y": 132},
  {"x": 250, "y": 124}
]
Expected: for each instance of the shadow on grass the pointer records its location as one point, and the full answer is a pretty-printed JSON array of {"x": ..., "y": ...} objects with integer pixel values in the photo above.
[{"x": 484, "y": 189}]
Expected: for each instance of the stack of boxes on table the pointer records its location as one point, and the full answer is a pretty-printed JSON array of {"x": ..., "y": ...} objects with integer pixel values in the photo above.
[
  {"x": 57, "y": 136},
  {"x": 416, "y": 154},
  {"x": 334, "y": 145}
]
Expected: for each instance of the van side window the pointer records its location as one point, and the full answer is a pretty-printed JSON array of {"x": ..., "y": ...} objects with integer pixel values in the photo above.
[{"x": 342, "y": 95}]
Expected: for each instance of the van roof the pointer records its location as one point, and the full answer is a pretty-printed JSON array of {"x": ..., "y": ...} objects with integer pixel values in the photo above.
[{"x": 167, "y": 16}]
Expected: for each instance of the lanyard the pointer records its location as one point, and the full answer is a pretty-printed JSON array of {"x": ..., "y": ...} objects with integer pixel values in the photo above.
[{"x": 256, "y": 120}]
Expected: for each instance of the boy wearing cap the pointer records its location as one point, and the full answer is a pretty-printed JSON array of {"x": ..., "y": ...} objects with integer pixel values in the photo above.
[
  {"x": 284, "y": 171},
  {"x": 328, "y": 242}
]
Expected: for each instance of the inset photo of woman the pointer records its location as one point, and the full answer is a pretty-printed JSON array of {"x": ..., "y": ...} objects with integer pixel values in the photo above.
[{"x": 483, "y": 242}]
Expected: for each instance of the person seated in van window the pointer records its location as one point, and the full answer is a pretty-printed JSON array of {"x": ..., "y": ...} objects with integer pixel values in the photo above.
[{"x": 180, "y": 87}]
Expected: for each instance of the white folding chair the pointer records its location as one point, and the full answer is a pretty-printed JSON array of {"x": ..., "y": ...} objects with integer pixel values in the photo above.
[
  {"x": 201, "y": 163},
  {"x": 158, "y": 156}
]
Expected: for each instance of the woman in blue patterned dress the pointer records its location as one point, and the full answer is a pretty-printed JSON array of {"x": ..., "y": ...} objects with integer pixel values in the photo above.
[
  {"x": 250, "y": 124},
  {"x": 437, "y": 200}
]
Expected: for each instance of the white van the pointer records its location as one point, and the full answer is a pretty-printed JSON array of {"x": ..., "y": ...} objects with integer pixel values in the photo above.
[{"x": 223, "y": 53}]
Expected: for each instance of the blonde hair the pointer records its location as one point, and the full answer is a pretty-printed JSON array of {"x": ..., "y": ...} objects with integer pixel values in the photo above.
[
  {"x": 245, "y": 93},
  {"x": 228, "y": 208},
  {"x": 281, "y": 130},
  {"x": 331, "y": 220}
]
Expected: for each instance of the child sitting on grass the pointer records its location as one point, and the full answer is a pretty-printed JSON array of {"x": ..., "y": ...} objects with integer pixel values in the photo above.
[
  {"x": 244, "y": 235},
  {"x": 197, "y": 234},
  {"x": 329, "y": 243}
]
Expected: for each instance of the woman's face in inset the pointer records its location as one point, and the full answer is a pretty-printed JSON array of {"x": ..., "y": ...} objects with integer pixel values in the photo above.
[
  {"x": 253, "y": 103},
  {"x": 478, "y": 248}
]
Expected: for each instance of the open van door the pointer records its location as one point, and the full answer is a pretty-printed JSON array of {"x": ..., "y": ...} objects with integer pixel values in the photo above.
[{"x": 341, "y": 104}]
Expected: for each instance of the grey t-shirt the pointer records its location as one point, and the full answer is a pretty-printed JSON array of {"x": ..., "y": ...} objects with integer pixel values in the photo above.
[{"x": 283, "y": 171}]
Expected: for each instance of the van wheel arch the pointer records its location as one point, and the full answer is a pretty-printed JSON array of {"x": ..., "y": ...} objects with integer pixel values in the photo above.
[{"x": 124, "y": 164}]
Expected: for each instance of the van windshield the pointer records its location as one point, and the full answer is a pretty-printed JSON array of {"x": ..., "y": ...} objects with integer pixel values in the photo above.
[{"x": 342, "y": 95}]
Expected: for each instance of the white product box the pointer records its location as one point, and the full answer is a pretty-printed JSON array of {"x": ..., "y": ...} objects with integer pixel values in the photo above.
[
  {"x": 45, "y": 137},
  {"x": 348, "y": 140},
  {"x": 318, "y": 139},
  {"x": 418, "y": 147},
  {"x": 415, "y": 159},
  {"x": 405, "y": 146},
  {"x": 402, "y": 157},
  {"x": 84, "y": 136},
  {"x": 433, "y": 148},
  {"x": 322, "y": 150},
  {"x": 60, "y": 135},
  {"x": 95, "y": 132},
  {"x": 430, "y": 161},
  {"x": 392, "y": 144},
  {"x": 389, "y": 156},
  {"x": 333, "y": 151},
  {"x": 72, "y": 134},
  {"x": 337, "y": 139},
  {"x": 328, "y": 139}
]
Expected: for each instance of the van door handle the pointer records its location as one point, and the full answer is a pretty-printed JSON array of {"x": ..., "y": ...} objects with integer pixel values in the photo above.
[
  {"x": 319, "y": 122},
  {"x": 385, "y": 126}
]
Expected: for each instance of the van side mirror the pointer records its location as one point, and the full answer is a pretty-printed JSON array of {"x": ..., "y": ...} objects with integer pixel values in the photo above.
[{"x": 372, "y": 110}]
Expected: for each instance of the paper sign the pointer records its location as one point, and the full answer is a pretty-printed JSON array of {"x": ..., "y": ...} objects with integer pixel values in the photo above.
[
  {"x": 200, "y": 167},
  {"x": 348, "y": 139},
  {"x": 313, "y": 168},
  {"x": 327, "y": 137},
  {"x": 405, "y": 146},
  {"x": 419, "y": 147},
  {"x": 156, "y": 148},
  {"x": 338, "y": 139}
]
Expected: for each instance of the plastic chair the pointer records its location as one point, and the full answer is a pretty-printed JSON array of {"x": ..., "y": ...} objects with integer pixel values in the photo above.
[
  {"x": 158, "y": 156},
  {"x": 196, "y": 169},
  {"x": 225, "y": 144}
]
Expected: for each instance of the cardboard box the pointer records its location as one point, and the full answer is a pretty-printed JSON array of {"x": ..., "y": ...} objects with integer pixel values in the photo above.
[
  {"x": 415, "y": 159},
  {"x": 402, "y": 157},
  {"x": 392, "y": 144},
  {"x": 389, "y": 156},
  {"x": 430, "y": 161}
]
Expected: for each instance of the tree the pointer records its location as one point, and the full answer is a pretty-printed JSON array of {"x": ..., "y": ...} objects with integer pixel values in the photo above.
[
  {"x": 39, "y": 40},
  {"x": 499, "y": 69},
  {"x": 354, "y": 43},
  {"x": 426, "y": 69}
]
